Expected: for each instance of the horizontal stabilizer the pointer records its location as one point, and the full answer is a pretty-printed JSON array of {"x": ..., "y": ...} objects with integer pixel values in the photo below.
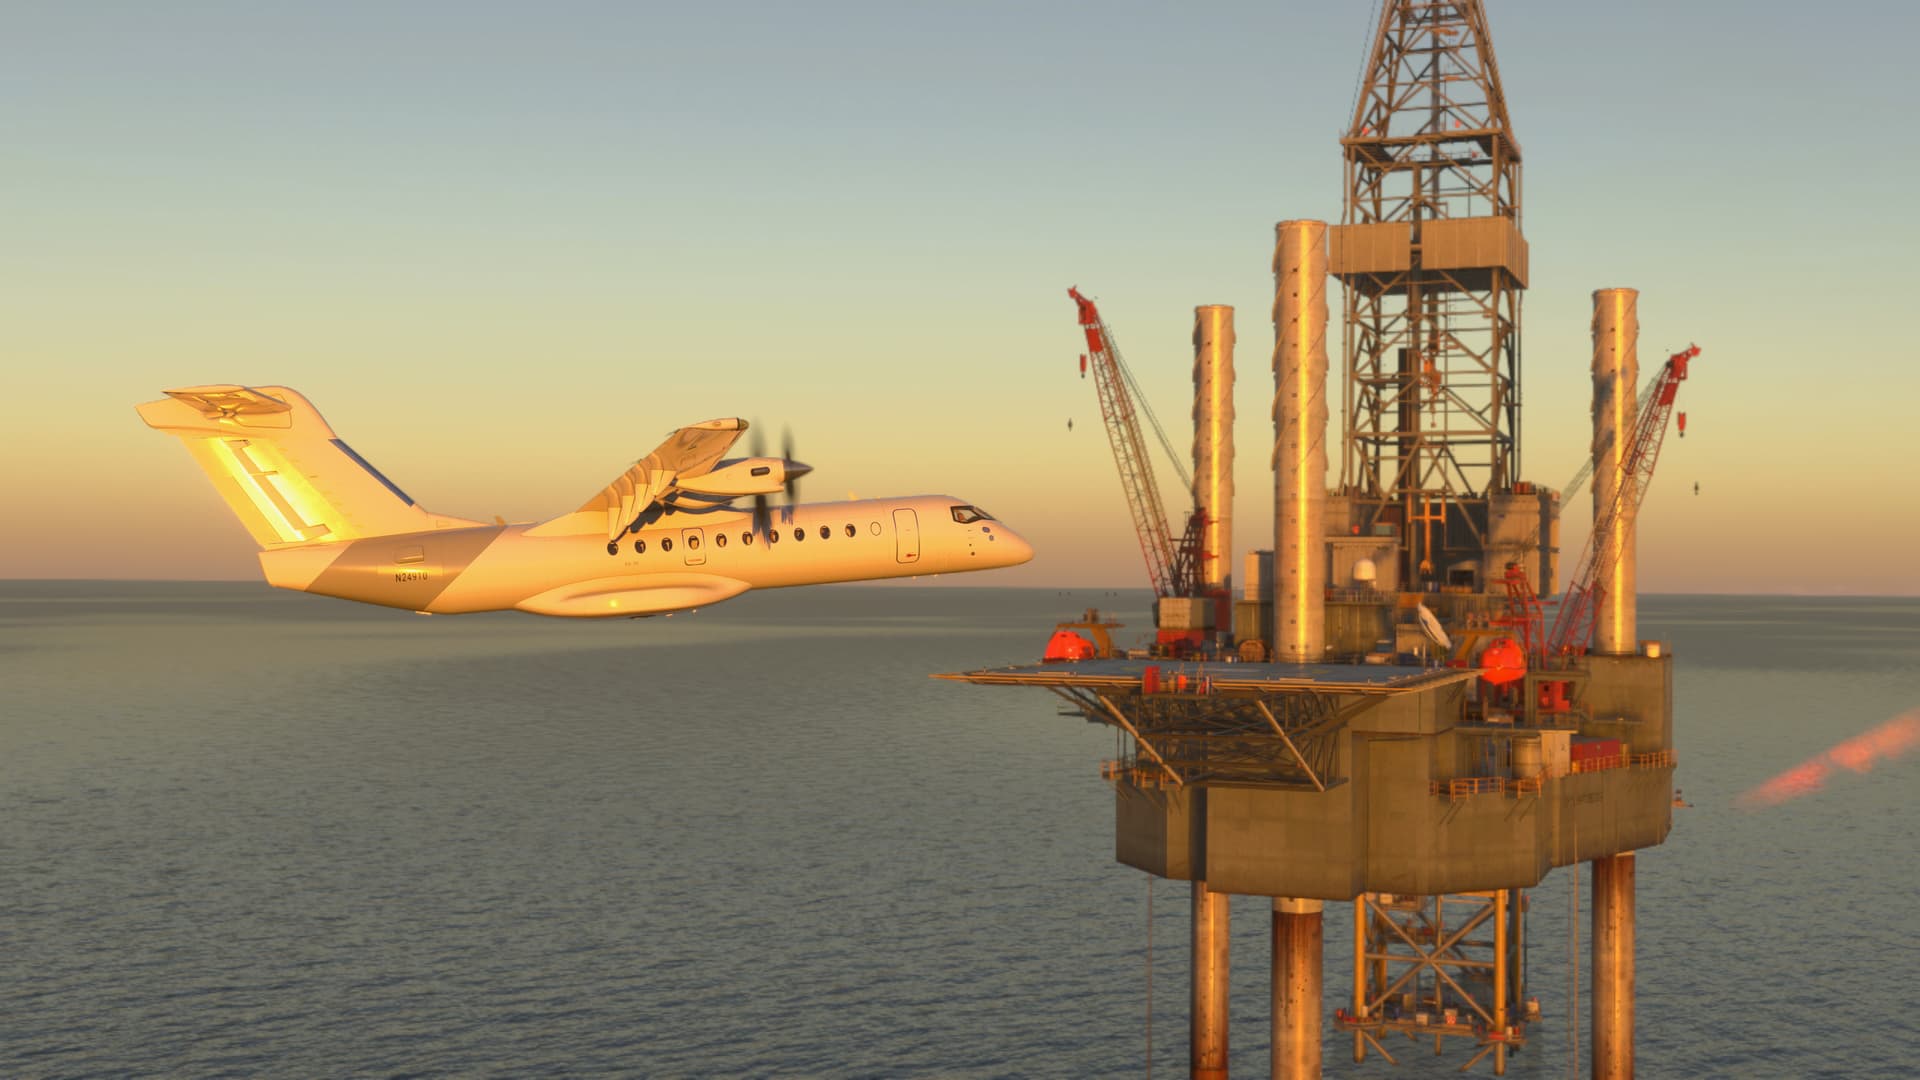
[{"x": 282, "y": 471}]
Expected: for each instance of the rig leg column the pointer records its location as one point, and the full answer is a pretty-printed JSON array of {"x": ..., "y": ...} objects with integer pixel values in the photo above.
[
  {"x": 1613, "y": 967},
  {"x": 1210, "y": 959},
  {"x": 1297, "y": 943}
]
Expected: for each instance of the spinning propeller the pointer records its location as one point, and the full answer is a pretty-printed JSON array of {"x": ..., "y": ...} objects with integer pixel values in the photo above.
[{"x": 762, "y": 514}]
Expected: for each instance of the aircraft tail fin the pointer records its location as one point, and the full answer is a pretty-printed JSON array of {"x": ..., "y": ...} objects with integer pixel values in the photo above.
[{"x": 284, "y": 473}]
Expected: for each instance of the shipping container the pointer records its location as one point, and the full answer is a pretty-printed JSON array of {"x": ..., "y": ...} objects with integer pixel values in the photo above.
[
  {"x": 1186, "y": 613},
  {"x": 1584, "y": 749}
]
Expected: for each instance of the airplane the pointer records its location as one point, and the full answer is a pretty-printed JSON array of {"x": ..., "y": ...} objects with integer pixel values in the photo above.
[{"x": 664, "y": 536}]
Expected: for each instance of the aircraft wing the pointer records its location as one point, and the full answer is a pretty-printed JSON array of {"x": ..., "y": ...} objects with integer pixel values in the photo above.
[{"x": 689, "y": 452}]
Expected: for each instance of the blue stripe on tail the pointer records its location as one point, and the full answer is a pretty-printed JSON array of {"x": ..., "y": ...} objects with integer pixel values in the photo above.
[{"x": 371, "y": 471}]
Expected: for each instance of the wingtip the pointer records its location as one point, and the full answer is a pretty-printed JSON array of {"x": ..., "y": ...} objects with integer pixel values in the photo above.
[{"x": 724, "y": 423}]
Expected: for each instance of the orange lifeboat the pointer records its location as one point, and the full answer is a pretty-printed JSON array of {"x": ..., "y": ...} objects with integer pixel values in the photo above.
[
  {"x": 1503, "y": 662},
  {"x": 1066, "y": 645}
]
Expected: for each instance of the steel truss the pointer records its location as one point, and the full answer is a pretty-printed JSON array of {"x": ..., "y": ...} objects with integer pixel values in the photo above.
[
  {"x": 1448, "y": 966},
  {"x": 1287, "y": 739},
  {"x": 1432, "y": 340}
]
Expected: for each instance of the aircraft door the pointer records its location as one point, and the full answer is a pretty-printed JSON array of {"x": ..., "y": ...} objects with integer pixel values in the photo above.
[
  {"x": 694, "y": 544},
  {"x": 906, "y": 536}
]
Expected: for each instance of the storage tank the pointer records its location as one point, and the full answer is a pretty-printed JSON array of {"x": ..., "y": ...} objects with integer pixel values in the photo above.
[{"x": 1528, "y": 763}]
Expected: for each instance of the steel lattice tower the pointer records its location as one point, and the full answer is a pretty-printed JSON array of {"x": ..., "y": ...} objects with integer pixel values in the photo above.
[{"x": 1434, "y": 267}]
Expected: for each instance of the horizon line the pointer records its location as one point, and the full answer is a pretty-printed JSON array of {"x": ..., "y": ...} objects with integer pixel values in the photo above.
[{"x": 898, "y": 582}]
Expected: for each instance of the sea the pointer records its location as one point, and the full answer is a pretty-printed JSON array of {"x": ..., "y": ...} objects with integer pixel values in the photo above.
[{"x": 250, "y": 833}]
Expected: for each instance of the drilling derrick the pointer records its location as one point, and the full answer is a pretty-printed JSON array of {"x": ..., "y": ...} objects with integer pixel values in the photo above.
[{"x": 1434, "y": 266}]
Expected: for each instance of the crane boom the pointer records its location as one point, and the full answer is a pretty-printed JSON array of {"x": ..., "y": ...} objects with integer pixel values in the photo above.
[
  {"x": 1574, "y": 621},
  {"x": 1572, "y": 487},
  {"x": 1111, "y": 379}
]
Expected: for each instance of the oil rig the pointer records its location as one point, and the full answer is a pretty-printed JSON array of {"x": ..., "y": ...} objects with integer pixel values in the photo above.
[{"x": 1388, "y": 715}]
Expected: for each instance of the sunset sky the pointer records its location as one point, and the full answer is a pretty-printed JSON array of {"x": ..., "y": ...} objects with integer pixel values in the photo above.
[{"x": 506, "y": 247}]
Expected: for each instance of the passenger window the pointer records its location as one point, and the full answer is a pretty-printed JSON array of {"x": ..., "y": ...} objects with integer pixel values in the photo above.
[
  {"x": 747, "y": 538},
  {"x": 666, "y": 544},
  {"x": 720, "y": 539},
  {"x": 874, "y": 528},
  {"x": 799, "y": 533},
  {"x": 639, "y": 547},
  {"x": 826, "y": 532},
  {"x": 850, "y": 528},
  {"x": 773, "y": 537},
  {"x": 693, "y": 543}
]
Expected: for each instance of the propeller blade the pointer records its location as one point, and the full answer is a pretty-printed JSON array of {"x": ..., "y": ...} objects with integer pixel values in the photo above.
[
  {"x": 794, "y": 469},
  {"x": 762, "y": 519}
]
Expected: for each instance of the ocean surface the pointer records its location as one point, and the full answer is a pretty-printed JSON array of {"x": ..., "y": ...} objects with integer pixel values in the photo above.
[{"x": 250, "y": 833}]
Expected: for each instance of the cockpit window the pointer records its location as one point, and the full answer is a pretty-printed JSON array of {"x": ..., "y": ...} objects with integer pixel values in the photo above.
[{"x": 967, "y": 515}]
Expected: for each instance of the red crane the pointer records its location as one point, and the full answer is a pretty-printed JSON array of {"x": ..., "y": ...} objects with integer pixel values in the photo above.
[
  {"x": 1173, "y": 569},
  {"x": 1574, "y": 622}
]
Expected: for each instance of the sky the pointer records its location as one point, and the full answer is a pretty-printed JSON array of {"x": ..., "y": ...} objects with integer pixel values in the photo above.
[{"x": 505, "y": 248}]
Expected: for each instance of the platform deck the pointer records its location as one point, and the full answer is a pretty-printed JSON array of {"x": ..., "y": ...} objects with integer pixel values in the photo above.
[{"x": 1222, "y": 678}]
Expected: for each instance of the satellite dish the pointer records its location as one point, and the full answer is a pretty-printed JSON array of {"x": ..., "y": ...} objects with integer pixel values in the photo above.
[{"x": 1430, "y": 626}]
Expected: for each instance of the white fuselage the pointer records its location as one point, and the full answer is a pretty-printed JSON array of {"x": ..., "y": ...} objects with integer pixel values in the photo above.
[{"x": 683, "y": 558}]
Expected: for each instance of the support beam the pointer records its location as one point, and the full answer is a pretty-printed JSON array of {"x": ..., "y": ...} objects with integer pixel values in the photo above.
[
  {"x": 1297, "y": 943},
  {"x": 1114, "y": 711},
  {"x": 1456, "y": 978},
  {"x": 1210, "y": 965},
  {"x": 1282, "y": 732},
  {"x": 1613, "y": 967}
]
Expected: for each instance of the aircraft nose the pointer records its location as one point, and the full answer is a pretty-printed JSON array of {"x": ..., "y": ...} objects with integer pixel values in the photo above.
[{"x": 1015, "y": 549}]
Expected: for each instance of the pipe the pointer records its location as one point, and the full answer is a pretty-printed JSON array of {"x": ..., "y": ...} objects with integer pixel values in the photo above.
[
  {"x": 1613, "y": 967},
  {"x": 1300, "y": 440},
  {"x": 1213, "y": 445},
  {"x": 1361, "y": 990},
  {"x": 1500, "y": 1018},
  {"x": 1296, "y": 988},
  {"x": 1616, "y": 374},
  {"x": 1210, "y": 959}
]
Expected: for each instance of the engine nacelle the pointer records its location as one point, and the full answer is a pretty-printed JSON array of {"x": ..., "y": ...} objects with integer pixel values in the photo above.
[{"x": 744, "y": 476}]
